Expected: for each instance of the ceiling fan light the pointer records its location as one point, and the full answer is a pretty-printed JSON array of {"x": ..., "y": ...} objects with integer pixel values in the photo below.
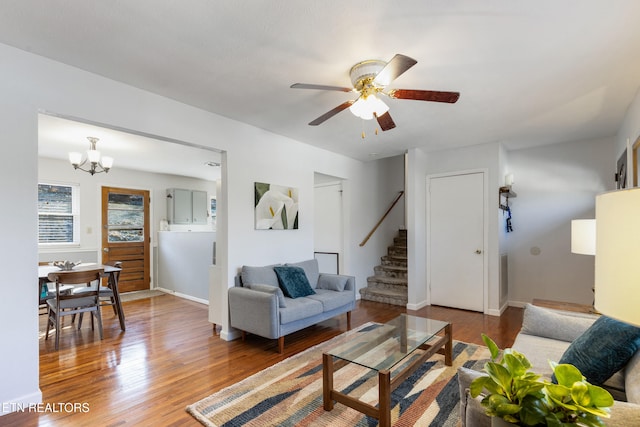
[
  {"x": 359, "y": 108},
  {"x": 378, "y": 106},
  {"x": 364, "y": 107}
]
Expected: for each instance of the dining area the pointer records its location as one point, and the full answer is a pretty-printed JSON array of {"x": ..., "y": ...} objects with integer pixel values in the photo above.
[{"x": 68, "y": 290}]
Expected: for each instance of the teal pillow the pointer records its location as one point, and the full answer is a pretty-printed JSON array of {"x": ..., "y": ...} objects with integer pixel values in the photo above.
[
  {"x": 293, "y": 282},
  {"x": 603, "y": 349}
]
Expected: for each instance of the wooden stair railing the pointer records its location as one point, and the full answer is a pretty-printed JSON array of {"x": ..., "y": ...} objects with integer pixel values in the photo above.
[{"x": 375, "y": 227}]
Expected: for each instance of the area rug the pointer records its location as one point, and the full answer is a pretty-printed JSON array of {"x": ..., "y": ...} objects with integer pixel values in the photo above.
[{"x": 290, "y": 392}]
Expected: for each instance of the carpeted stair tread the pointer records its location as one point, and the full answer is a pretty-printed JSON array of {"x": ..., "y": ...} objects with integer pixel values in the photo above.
[
  {"x": 388, "y": 296},
  {"x": 389, "y": 283},
  {"x": 388, "y": 280},
  {"x": 390, "y": 271}
]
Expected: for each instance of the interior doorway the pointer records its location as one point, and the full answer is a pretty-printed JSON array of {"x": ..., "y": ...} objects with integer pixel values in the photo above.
[
  {"x": 456, "y": 230},
  {"x": 142, "y": 161},
  {"x": 328, "y": 223}
]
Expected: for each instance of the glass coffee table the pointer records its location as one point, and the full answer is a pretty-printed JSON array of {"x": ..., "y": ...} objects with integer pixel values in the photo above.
[{"x": 382, "y": 349}]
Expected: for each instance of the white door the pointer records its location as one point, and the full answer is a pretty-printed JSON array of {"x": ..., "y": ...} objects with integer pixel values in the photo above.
[
  {"x": 328, "y": 226},
  {"x": 455, "y": 240}
]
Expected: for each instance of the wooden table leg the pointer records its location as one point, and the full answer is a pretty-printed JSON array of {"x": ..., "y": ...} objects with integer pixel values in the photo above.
[
  {"x": 384, "y": 398},
  {"x": 116, "y": 297},
  {"x": 327, "y": 381},
  {"x": 448, "y": 347}
]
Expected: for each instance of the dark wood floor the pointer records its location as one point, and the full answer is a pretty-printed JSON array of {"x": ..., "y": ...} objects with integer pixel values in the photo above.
[{"x": 169, "y": 358}]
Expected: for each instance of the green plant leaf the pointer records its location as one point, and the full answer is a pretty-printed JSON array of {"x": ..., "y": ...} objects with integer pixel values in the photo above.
[
  {"x": 493, "y": 348},
  {"x": 566, "y": 374},
  {"x": 580, "y": 393},
  {"x": 551, "y": 420},
  {"x": 507, "y": 409},
  {"x": 500, "y": 375},
  {"x": 600, "y": 397},
  {"x": 514, "y": 364},
  {"x": 477, "y": 385},
  {"x": 533, "y": 411},
  {"x": 558, "y": 391}
]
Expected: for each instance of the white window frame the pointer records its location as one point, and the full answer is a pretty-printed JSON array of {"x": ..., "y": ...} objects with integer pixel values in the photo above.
[{"x": 75, "y": 213}]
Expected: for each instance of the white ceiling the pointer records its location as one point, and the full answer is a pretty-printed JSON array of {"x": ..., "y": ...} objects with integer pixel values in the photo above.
[
  {"x": 58, "y": 136},
  {"x": 529, "y": 72}
]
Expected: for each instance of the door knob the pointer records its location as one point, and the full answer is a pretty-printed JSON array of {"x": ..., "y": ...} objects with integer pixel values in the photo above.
[
  {"x": 105, "y": 249},
  {"x": 478, "y": 251}
]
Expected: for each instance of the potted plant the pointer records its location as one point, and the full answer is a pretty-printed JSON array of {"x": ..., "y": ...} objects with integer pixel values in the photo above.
[{"x": 518, "y": 396}]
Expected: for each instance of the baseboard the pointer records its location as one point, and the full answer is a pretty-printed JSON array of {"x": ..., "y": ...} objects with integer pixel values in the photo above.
[
  {"x": 230, "y": 335},
  {"x": 21, "y": 404},
  {"x": 417, "y": 306},
  {"x": 184, "y": 296},
  {"x": 519, "y": 304}
]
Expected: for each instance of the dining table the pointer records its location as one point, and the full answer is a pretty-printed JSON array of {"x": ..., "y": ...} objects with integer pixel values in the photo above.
[{"x": 109, "y": 271}]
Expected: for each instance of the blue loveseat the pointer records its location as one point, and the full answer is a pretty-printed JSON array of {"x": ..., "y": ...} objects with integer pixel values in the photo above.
[{"x": 258, "y": 305}]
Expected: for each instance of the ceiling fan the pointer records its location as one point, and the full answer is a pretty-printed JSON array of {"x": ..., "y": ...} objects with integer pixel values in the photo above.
[{"x": 370, "y": 79}]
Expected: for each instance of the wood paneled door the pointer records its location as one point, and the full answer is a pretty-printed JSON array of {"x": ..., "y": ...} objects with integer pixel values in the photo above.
[{"x": 125, "y": 235}]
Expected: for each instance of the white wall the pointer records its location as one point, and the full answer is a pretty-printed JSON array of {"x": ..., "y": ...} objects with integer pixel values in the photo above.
[
  {"x": 555, "y": 184},
  {"x": 59, "y": 171},
  {"x": 417, "y": 226},
  {"x": 30, "y": 84},
  {"x": 422, "y": 164}
]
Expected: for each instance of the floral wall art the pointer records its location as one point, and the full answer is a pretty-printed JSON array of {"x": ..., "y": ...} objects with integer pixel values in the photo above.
[{"x": 276, "y": 207}]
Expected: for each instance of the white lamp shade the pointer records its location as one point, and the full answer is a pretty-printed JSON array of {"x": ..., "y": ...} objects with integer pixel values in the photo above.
[
  {"x": 107, "y": 162},
  {"x": 378, "y": 105},
  {"x": 583, "y": 236},
  {"x": 360, "y": 109},
  {"x": 93, "y": 156},
  {"x": 75, "y": 158},
  {"x": 365, "y": 107},
  {"x": 617, "y": 266}
]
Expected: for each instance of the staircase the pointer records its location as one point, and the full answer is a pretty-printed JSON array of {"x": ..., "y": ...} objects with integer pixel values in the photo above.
[{"x": 389, "y": 284}]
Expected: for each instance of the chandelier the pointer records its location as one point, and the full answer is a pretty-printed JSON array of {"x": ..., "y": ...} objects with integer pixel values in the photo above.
[{"x": 96, "y": 163}]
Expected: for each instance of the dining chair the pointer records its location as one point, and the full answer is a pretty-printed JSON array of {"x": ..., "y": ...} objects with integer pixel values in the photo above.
[
  {"x": 107, "y": 297},
  {"x": 71, "y": 304}
]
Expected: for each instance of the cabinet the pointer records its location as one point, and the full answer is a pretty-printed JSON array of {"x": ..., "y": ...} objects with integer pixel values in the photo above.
[{"x": 186, "y": 206}]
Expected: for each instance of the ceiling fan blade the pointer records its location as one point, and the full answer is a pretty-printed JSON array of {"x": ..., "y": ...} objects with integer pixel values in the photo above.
[
  {"x": 385, "y": 121},
  {"x": 424, "y": 95},
  {"x": 331, "y": 113},
  {"x": 394, "y": 68},
  {"x": 320, "y": 87}
]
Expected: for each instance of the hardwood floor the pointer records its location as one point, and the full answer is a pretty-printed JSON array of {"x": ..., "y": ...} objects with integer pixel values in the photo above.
[{"x": 169, "y": 358}]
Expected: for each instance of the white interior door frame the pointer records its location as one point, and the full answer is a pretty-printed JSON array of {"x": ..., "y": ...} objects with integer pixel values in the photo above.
[
  {"x": 329, "y": 220},
  {"x": 485, "y": 230}
]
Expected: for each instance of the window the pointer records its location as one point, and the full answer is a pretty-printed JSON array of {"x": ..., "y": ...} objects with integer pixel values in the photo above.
[{"x": 58, "y": 214}]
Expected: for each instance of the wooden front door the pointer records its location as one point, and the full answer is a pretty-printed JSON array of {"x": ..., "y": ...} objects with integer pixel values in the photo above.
[{"x": 125, "y": 235}]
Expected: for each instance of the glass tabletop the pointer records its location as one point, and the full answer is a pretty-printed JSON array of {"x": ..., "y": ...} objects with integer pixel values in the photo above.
[{"x": 381, "y": 347}]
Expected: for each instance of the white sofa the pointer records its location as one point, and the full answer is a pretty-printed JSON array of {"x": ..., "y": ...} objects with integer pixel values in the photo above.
[{"x": 545, "y": 335}]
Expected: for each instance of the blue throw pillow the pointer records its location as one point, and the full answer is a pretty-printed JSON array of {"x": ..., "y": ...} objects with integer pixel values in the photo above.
[
  {"x": 603, "y": 349},
  {"x": 293, "y": 282}
]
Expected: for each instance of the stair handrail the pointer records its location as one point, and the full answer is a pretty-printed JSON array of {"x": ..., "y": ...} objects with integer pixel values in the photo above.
[{"x": 375, "y": 227}]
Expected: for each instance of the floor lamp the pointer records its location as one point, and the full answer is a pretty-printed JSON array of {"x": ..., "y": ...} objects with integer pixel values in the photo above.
[
  {"x": 583, "y": 237},
  {"x": 617, "y": 267}
]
